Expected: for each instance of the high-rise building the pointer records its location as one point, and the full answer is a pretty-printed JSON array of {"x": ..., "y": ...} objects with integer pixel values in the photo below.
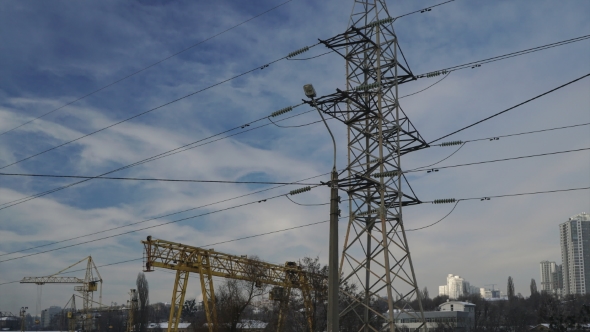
[
  {"x": 575, "y": 254},
  {"x": 551, "y": 279},
  {"x": 457, "y": 286},
  {"x": 47, "y": 314}
]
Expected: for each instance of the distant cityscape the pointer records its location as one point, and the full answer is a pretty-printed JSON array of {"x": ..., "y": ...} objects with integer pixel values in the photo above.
[{"x": 572, "y": 276}]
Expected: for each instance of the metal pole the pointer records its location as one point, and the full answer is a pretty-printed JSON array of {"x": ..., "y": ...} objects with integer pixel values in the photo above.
[{"x": 333, "y": 278}]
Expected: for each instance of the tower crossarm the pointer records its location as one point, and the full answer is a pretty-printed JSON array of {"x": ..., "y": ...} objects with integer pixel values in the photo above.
[{"x": 51, "y": 280}]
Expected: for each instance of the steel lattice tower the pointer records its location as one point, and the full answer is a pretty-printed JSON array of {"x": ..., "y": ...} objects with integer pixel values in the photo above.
[{"x": 376, "y": 255}]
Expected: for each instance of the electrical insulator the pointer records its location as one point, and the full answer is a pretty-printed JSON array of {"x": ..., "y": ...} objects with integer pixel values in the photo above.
[
  {"x": 380, "y": 22},
  {"x": 281, "y": 111},
  {"x": 444, "y": 201},
  {"x": 371, "y": 211},
  {"x": 437, "y": 73},
  {"x": 299, "y": 51},
  {"x": 386, "y": 174},
  {"x": 300, "y": 190},
  {"x": 365, "y": 87},
  {"x": 451, "y": 143}
]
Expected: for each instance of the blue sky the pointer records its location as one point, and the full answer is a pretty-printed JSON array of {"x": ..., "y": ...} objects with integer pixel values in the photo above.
[{"x": 56, "y": 51}]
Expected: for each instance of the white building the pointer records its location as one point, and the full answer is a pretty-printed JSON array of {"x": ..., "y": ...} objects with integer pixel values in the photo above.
[
  {"x": 456, "y": 314},
  {"x": 487, "y": 293},
  {"x": 575, "y": 254},
  {"x": 551, "y": 277},
  {"x": 456, "y": 287}
]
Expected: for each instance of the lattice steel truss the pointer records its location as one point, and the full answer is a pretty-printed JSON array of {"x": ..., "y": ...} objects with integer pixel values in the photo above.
[
  {"x": 209, "y": 263},
  {"x": 91, "y": 283},
  {"x": 376, "y": 255}
]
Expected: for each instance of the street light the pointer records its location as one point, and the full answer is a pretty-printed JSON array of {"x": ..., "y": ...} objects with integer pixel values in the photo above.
[{"x": 333, "y": 278}]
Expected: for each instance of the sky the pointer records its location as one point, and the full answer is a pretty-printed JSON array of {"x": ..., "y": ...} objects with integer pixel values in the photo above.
[{"x": 55, "y": 52}]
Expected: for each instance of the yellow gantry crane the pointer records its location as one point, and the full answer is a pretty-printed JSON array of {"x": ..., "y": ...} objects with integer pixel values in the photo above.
[
  {"x": 209, "y": 263},
  {"x": 90, "y": 283}
]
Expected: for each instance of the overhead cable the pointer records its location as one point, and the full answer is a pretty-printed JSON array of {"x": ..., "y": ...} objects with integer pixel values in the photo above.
[
  {"x": 156, "y": 157},
  {"x": 150, "y": 110},
  {"x": 493, "y": 138},
  {"x": 486, "y": 198},
  {"x": 477, "y": 64},
  {"x": 511, "y": 108},
  {"x": 149, "y": 66},
  {"x": 159, "y": 217},
  {"x": 498, "y": 160},
  {"x": 147, "y": 227},
  {"x": 152, "y": 179}
]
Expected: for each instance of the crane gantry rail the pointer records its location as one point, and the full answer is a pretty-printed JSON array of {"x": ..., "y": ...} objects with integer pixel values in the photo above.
[{"x": 209, "y": 263}]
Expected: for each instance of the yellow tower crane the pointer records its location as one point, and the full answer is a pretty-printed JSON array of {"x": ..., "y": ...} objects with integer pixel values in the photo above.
[
  {"x": 90, "y": 283},
  {"x": 132, "y": 309},
  {"x": 71, "y": 313},
  {"x": 209, "y": 263}
]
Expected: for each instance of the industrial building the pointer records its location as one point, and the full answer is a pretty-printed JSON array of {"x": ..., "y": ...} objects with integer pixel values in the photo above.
[
  {"x": 456, "y": 314},
  {"x": 575, "y": 254}
]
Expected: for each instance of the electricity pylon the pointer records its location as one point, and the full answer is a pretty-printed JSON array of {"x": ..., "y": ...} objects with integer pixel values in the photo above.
[{"x": 376, "y": 255}]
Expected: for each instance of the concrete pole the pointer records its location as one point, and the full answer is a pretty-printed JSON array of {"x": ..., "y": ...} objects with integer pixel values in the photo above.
[{"x": 333, "y": 278}]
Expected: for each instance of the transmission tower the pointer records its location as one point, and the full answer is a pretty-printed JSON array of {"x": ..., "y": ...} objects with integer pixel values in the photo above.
[{"x": 376, "y": 255}]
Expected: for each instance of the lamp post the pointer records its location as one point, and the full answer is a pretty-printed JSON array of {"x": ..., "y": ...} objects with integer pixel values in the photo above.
[{"x": 333, "y": 279}]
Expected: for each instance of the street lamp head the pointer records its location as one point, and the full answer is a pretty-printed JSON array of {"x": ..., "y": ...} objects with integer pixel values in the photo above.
[{"x": 309, "y": 91}]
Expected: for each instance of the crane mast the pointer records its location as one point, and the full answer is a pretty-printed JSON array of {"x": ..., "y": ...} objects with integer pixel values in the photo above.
[{"x": 89, "y": 284}]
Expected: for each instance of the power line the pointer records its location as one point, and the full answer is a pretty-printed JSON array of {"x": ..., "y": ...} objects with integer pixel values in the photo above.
[
  {"x": 173, "y": 101},
  {"x": 141, "y": 229},
  {"x": 483, "y": 198},
  {"x": 436, "y": 222},
  {"x": 495, "y": 138},
  {"x": 511, "y": 108},
  {"x": 524, "y": 194},
  {"x": 156, "y": 157},
  {"x": 151, "y": 179},
  {"x": 423, "y": 10},
  {"x": 488, "y": 198},
  {"x": 155, "y": 108},
  {"x": 478, "y": 63},
  {"x": 156, "y": 218},
  {"x": 149, "y": 66},
  {"x": 148, "y": 227},
  {"x": 428, "y": 87},
  {"x": 498, "y": 160},
  {"x": 527, "y": 132}
]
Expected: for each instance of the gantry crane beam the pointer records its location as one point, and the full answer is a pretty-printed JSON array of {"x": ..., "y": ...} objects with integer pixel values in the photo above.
[{"x": 209, "y": 263}]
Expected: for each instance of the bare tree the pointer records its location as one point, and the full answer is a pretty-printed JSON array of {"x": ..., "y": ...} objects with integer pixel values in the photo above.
[
  {"x": 510, "y": 288},
  {"x": 143, "y": 291},
  {"x": 425, "y": 294},
  {"x": 234, "y": 296},
  {"x": 533, "y": 287}
]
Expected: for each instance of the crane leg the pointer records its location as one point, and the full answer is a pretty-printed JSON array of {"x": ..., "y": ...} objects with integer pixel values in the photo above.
[
  {"x": 178, "y": 293},
  {"x": 208, "y": 294},
  {"x": 306, "y": 292},
  {"x": 283, "y": 309}
]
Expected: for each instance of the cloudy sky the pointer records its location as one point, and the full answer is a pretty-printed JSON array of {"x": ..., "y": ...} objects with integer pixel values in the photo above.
[{"x": 54, "y": 52}]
